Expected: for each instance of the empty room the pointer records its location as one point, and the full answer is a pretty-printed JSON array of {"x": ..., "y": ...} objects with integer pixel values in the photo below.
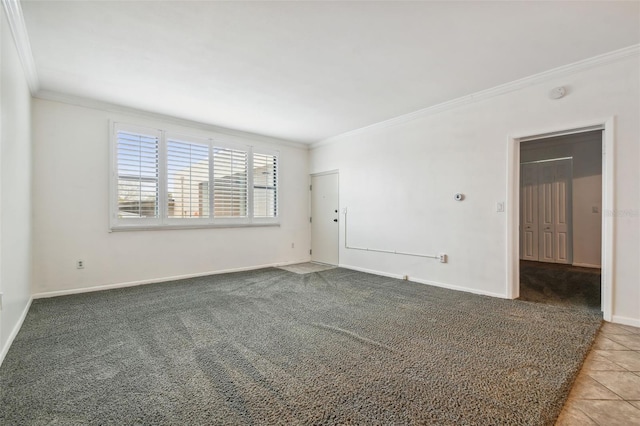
[{"x": 319, "y": 212}]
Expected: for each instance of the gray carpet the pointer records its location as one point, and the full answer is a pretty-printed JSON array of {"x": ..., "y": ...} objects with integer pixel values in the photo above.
[
  {"x": 306, "y": 268},
  {"x": 274, "y": 347},
  {"x": 558, "y": 284}
]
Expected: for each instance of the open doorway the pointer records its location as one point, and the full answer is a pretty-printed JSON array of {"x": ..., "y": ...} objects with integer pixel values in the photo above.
[{"x": 560, "y": 220}]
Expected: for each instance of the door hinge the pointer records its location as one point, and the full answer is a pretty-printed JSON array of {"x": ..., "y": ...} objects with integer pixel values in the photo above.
[
  {"x": 310, "y": 220},
  {"x": 310, "y": 251},
  {"x": 310, "y": 187}
]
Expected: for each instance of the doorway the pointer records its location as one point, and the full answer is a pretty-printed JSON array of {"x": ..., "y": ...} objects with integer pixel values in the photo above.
[
  {"x": 324, "y": 219},
  {"x": 560, "y": 219},
  {"x": 589, "y": 237}
]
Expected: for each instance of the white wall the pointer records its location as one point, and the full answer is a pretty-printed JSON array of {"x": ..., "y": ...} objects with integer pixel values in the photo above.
[
  {"x": 586, "y": 150},
  {"x": 398, "y": 180},
  {"x": 15, "y": 189},
  {"x": 71, "y": 202}
]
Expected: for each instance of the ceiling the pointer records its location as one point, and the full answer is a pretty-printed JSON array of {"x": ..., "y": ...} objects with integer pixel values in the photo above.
[{"x": 306, "y": 71}]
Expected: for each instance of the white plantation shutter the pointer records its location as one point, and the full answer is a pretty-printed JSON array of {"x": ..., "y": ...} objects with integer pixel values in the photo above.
[
  {"x": 230, "y": 177},
  {"x": 187, "y": 179},
  {"x": 164, "y": 179},
  {"x": 265, "y": 191},
  {"x": 137, "y": 171}
]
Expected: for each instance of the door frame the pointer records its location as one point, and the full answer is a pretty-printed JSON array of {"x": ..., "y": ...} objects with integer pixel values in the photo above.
[
  {"x": 513, "y": 204},
  {"x": 311, "y": 176}
]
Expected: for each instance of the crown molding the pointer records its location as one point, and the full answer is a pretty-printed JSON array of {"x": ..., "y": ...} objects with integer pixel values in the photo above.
[
  {"x": 21, "y": 38},
  {"x": 48, "y": 95},
  {"x": 522, "y": 83}
]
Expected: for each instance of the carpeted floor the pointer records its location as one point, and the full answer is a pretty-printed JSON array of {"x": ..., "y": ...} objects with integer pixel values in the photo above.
[
  {"x": 559, "y": 284},
  {"x": 306, "y": 268},
  {"x": 274, "y": 347}
]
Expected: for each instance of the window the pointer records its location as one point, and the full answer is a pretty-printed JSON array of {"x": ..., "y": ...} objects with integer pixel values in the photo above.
[
  {"x": 138, "y": 184},
  {"x": 230, "y": 191},
  {"x": 187, "y": 179},
  {"x": 265, "y": 191},
  {"x": 166, "y": 180}
]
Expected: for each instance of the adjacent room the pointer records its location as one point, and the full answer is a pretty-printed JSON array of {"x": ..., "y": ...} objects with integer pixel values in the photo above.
[{"x": 300, "y": 212}]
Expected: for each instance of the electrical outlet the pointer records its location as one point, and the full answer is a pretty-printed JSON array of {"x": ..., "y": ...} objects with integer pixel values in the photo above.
[
  {"x": 500, "y": 206},
  {"x": 80, "y": 264},
  {"x": 442, "y": 258}
]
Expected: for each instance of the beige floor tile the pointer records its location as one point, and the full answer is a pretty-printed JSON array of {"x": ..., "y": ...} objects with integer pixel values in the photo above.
[
  {"x": 624, "y": 383},
  {"x": 610, "y": 413},
  {"x": 635, "y": 403},
  {"x": 604, "y": 343},
  {"x": 572, "y": 416},
  {"x": 631, "y": 341},
  {"x": 586, "y": 387},
  {"x": 595, "y": 355},
  {"x": 601, "y": 365},
  {"x": 630, "y": 360},
  {"x": 635, "y": 330},
  {"x": 611, "y": 329}
]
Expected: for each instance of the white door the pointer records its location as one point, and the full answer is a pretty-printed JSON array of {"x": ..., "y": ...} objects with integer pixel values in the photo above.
[
  {"x": 545, "y": 211},
  {"x": 529, "y": 211},
  {"x": 561, "y": 193},
  {"x": 324, "y": 218},
  {"x": 546, "y": 198}
]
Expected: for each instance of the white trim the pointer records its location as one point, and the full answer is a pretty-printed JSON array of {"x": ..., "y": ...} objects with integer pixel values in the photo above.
[
  {"x": 426, "y": 282},
  {"x": 561, "y": 133},
  {"x": 14, "y": 332},
  {"x": 617, "y": 319},
  {"x": 522, "y": 83},
  {"x": 175, "y": 225},
  {"x": 329, "y": 172},
  {"x": 23, "y": 46},
  {"x": 48, "y": 95},
  {"x": 47, "y": 294},
  {"x": 513, "y": 206},
  {"x": 608, "y": 222},
  {"x": 586, "y": 265}
]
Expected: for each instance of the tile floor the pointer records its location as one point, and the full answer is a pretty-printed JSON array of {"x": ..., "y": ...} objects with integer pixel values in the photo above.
[{"x": 607, "y": 390}]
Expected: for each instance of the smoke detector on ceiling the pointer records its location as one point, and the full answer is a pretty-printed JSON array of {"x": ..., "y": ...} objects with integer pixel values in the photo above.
[{"x": 557, "y": 92}]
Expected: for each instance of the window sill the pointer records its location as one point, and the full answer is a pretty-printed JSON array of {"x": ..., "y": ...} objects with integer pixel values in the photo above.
[{"x": 124, "y": 228}]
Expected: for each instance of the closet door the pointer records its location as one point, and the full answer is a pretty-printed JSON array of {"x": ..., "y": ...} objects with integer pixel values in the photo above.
[
  {"x": 554, "y": 204},
  {"x": 562, "y": 212},
  {"x": 529, "y": 211}
]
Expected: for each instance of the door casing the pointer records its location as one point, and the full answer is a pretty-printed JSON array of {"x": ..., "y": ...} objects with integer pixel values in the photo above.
[{"x": 513, "y": 204}]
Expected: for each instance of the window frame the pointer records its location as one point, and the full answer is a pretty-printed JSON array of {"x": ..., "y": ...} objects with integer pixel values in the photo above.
[
  {"x": 275, "y": 154},
  {"x": 163, "y": 221}
]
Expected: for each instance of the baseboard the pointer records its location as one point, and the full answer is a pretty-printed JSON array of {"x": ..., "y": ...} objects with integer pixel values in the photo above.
[
  {"x": 587, "y": 265},
  {"x": 15, "y": 331},
  {"x": 617, "y": 319},
  {"x": 56, "y": 293},
  {"x": 427, "y": 282}
]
